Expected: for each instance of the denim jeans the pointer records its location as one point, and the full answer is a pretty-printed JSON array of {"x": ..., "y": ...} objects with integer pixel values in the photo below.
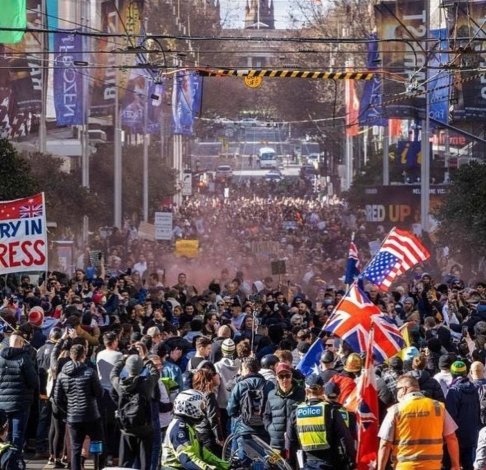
[{"x": 17, "y": 423}]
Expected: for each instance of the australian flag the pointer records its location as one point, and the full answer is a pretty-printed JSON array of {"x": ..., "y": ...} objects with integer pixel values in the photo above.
[
  {"x": 352, "y": 266},
  {"x": 309, "y": 363}
]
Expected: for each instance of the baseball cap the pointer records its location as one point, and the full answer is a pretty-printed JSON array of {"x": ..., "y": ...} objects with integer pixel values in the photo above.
[
  {"x": 313, "y": 380},
  {"x": 282, "y": 367},
  {"x": 458, "y": 368},
  {"x": 331, "y": 390}
]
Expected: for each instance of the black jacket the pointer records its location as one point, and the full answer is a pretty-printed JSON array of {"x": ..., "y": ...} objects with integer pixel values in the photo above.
[
  {"x": 209, "y": 429},
  {"x": 278, "y": 411},
  {"x": 44, "y": 364},
  {"x": 145, "y": 383},
  {"x": 18, "y": 379},
  {"x": 76, "y": 390},
  {"x": 428, "y": 385}
]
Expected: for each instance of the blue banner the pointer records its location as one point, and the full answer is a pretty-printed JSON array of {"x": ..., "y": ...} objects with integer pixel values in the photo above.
[
  {"x": 439, "y": 79},
  {"x": 370, "y": 106},
  {"x": 409, "y": 154},
  {"x": 68, "y": 82},
  {"x": 133, "y": 103},
  {"x": 186, "y": 102}
]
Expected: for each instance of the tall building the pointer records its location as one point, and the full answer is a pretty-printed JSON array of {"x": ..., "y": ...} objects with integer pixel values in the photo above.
[{"x": 259, "y": 14}]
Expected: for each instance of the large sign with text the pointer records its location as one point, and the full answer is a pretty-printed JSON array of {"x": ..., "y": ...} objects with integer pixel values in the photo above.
[{"x": 23, "y": 235}]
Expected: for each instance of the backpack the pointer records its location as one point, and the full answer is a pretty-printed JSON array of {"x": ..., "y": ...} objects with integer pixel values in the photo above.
[
  {"x": 252, "y": 406},
  {"x": 133, "y": 413}
]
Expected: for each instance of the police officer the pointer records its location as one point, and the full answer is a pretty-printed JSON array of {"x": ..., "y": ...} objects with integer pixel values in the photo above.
[
  {"x": 10, "y": 457},
  {"x": 331, "y": 394},
  {"x": 317, "y": 429},
  {"x": 181, "y": 448}
]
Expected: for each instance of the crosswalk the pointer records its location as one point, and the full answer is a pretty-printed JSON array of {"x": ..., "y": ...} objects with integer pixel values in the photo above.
[{"x": 41, "y": 465}]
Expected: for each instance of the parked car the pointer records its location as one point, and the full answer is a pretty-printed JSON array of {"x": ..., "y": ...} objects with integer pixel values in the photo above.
[
  {"x": 224, "y": 172},
  {"x": 274, "y": 175}
]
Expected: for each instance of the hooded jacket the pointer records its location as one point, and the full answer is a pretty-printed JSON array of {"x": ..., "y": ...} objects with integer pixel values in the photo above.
[
  {"x": 227, "y": 369},
  {"x": 462, "y": 403},
  {"x": 18, "y": 379},
  {"x": 428, "y": 385},
  {"x": 76, "y": 390}
]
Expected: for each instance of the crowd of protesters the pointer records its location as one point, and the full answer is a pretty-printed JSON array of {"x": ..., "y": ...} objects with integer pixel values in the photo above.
[{"x": 140, "y": 321}]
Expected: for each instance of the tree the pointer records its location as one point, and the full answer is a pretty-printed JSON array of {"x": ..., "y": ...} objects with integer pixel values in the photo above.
[
  {"x": 16, "y": 180},
  {"x": 462, "y": 216}
]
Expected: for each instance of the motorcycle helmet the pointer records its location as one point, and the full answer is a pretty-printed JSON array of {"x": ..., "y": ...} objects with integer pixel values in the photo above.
[{"x": 189, "y": 404}]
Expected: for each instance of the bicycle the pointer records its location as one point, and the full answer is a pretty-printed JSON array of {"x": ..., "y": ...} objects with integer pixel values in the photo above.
[{"x": 256, "y": 450}]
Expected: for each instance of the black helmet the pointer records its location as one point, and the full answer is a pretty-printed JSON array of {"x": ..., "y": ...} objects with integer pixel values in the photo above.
[{"x": 268, "y": 361}]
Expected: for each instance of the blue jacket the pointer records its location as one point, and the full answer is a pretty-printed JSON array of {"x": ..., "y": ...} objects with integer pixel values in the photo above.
[
  {"x": 462, "y": 403},
  {"x": 251, "y": 381}
]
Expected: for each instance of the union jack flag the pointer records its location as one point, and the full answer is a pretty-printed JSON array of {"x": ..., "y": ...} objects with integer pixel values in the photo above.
[
  {"x": 352, "y": 322},
  {"x": 31, "y": 210},
  {"x": 399, "y": 252},
  {"x": 367, "y": 413}
]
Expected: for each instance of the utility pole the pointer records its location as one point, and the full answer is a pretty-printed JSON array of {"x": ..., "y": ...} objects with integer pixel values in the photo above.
[
  {"x": 425, "y": 166},
  {"x": 117, "y": 157},
  {"x": 45, "y": 69},
  {"x": 145, "y": 154},
  {"x": 386, "y": 156}
]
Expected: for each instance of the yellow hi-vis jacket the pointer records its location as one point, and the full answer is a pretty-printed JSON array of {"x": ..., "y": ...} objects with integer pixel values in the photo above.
[
  {"x": 418, "y": 436},
  {"x": 311, "y": 426}
]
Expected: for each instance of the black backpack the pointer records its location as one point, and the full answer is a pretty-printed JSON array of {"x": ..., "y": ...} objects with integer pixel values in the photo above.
[
  {"x": 134, "y": 413},
  {"x": 252, "y": 406}
]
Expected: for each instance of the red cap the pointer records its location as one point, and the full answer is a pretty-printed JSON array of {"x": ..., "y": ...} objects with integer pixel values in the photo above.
[
  {"x": 36, "y": 316},
  {"x": 282, "y": 367}
]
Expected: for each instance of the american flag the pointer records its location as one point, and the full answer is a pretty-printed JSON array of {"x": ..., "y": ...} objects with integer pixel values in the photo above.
[
  {"x": 22, "y": 208},
  {"x": 399, "y": 252},
  {"x": 352, "y": 322}
]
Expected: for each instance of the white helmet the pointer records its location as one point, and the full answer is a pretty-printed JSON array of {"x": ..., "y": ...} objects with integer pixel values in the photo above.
[{"x": 189, "y": 404}]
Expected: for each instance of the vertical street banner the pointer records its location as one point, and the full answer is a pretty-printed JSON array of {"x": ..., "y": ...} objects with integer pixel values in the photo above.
[
  {"x": 68, "y": 82},
  {"x": 23, "y": 235},
  {"x": 132, "y": 107},
  {"x": 130, "y": 23},
  {"x": 370, "y": 105},
  {"x": 352, "y": 108},
  {"x": 25, "y": 70},
  {"x": 467, "y": 34},
  {"x": 186, "y": 101},
  {"x": 103, "y": 78},
  {"x": 14, "y": 15},
  {"x": 439, "y": 79},
  {"x": 402, "y": 24}
]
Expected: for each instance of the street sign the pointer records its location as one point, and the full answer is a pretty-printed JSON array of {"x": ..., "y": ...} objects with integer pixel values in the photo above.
[
  {"x": 187, "y": 184},
  {"x": 163, "y": 225}
]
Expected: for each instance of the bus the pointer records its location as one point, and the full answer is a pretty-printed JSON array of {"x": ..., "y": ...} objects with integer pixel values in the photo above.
[{"x": 267, "y": 158}]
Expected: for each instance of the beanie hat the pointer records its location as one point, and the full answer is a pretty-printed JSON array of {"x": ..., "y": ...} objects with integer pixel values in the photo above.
[
  {"x": 36, "y": 316},
  {"x": 458, "y": 368},
  {"x": 228, "y": 347},
  {"x": 134, "y": 365}
]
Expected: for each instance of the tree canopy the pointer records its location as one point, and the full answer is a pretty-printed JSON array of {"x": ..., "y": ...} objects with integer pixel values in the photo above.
[{"x": 462, "y": 217}]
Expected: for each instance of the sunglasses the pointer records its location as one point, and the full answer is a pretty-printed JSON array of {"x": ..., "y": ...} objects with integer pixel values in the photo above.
[
  {"x": 329, "y": 345},
  {"x": 284, "y": 376}
]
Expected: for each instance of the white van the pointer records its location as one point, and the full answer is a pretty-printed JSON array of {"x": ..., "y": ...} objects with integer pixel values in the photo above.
[{"x": 267, "y": 158}]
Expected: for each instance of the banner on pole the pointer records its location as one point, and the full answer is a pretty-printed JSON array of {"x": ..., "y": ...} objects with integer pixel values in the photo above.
[
  {"x": 186, "y": 102},
  {"x": 401, "y": 24},
  {"x": 68, "y": 83},
  {"x": 23, "y": 235}
]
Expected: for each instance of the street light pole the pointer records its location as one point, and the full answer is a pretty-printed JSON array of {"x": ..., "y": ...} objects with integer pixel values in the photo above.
[{"x": 425, "y": 166}]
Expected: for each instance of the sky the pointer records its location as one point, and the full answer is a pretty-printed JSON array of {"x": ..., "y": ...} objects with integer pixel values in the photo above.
[{"x": 234, "y": 11}]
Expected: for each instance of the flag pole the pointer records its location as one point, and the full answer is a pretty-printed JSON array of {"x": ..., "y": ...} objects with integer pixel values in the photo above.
[{"x": 352, "y": 241}]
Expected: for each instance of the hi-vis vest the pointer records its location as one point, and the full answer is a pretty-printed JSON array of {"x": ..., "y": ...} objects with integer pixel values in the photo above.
[
  {"x": 418, "y": 437},
  {"x": 311, "y": 426}
]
